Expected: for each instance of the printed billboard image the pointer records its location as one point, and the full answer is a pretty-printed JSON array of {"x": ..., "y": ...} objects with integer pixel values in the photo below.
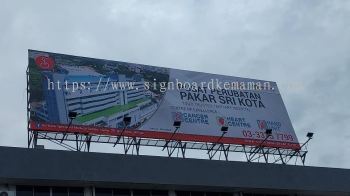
[{"x": 103, "y": 92}]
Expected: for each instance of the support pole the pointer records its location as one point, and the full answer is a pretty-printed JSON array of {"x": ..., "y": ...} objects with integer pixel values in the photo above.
[{"x": 167, "y": 142}]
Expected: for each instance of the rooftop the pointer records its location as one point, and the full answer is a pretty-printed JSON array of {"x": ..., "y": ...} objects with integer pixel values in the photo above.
[{"x": 47, "y": 167}]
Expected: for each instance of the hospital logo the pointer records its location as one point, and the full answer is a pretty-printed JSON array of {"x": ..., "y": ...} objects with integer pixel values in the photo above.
[
  {"x": 44, "y": 62},
  {"x": 262, "y": 124},
  {"x": 192, "y": 118},
  {"x": 266, "y": 124},
  {"x": 232, "y": 121},
  {"x": 220, "y": 120},
  {"x": 177, "y": 116}
]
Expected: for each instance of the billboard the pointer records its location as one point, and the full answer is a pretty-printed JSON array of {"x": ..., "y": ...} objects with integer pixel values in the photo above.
[{"x": 103, "y": 92}]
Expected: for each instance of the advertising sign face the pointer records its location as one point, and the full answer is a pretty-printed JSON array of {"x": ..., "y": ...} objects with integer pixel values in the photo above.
[{"x": 103, "y": 92}]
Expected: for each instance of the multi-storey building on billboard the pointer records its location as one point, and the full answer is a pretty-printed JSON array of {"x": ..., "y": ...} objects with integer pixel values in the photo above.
[{"x": 98, "y": 99}]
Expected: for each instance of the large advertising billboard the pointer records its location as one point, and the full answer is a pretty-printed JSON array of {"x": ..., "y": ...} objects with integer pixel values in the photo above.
[{"x": 103, "y": 92}]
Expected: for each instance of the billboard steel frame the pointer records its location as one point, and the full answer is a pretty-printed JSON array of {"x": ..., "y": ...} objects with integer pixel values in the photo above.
[{"x": 131, "y": 145}]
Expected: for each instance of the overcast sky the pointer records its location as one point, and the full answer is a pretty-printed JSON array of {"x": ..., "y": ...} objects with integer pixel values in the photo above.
[{"x": 302, "y": 45}]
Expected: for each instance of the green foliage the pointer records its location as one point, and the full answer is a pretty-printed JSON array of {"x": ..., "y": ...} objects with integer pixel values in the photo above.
[{"x": 35, "y": 82}]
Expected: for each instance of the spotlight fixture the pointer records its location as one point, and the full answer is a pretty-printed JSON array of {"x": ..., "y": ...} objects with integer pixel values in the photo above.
[
  {"x": 268, "y": 132},
  {"x": 224, "y": 129},
  {"x": 177, "y": 124},
  {"x": 72, "y": 115},
  {"x": 310, "y": 135},
  {"x": 127, "y": 120}
]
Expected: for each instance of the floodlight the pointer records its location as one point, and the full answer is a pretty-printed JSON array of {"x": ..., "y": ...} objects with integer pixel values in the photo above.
[
  {"x": 72, "y": 115},
  {"x": 268, "y": 131},
  {"x": 224, "y": 129},
  {"x": 127, "y": 120},
  {"x": 177, "y": 124},
  {"x": 309, "y": 135}
]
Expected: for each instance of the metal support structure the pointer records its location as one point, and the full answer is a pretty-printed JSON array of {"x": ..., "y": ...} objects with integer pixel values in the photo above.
[
  {"x": 297, "y": 153},
  {"x": 212, "y": 150},
  {"x": 132, "y": 145},
  {"x": 172, "y": 145},
  {"x": 64, "y": 134},
  {"x": 121, "y": 135},
  {"x": 131, "y": 142},
  {"x": 221, "y": 148},
  {"x": 28, "y": 108},
  {"x": 259, "y": 150},
  {"x": 176, "y": 146},
  {"x": 171, "y": 138}
]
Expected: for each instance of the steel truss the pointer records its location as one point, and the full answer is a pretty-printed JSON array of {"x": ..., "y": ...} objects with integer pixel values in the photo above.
[{"x": 131, "y": 145}]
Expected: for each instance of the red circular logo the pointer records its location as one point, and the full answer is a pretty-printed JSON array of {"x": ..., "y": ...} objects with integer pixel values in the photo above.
[
  {"x": 221, "y": 121},
  {"x": 44, "y": 62}
]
